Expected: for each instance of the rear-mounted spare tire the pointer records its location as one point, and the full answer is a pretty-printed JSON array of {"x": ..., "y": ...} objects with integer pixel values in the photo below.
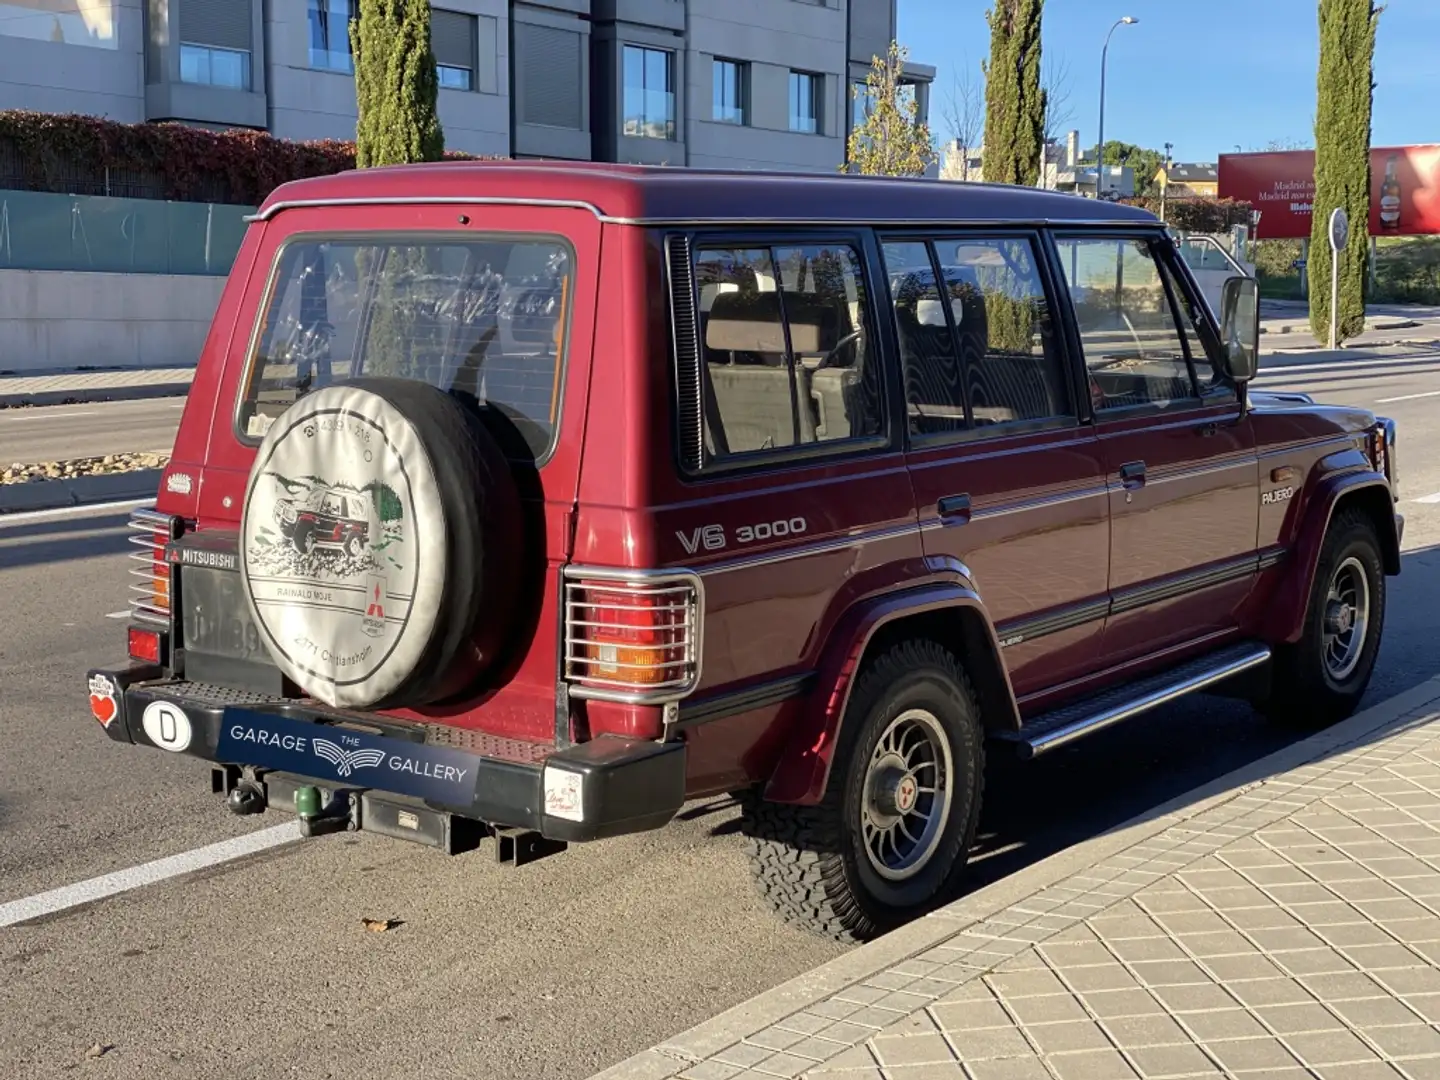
[{"x": 381, "y": 545}]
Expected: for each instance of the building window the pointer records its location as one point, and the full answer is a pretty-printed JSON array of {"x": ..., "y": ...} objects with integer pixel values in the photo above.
[
  {"x": 805, "y": 94},
  {"x": 861, "y": 101},
  {"x": 649, "y": 93},
  {"x": 207, "y": 66},
  {"x": 729, "y": 91},
  {"x": 452, "y": 38},
  {"x": 330, "y": 35}
]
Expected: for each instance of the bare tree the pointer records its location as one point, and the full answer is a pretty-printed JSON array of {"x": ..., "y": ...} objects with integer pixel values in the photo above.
[
  {"x": 1056, "y": 80},
  {"x": 964, "y": 113}
]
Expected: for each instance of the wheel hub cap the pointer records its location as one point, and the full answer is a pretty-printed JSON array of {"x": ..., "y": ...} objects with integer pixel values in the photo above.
[
  {"x": 907, "y": 795},
  {"x": 1347, "y": 619}
]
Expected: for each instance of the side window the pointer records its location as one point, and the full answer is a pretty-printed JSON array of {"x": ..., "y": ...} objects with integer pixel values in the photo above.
[
  {"x": 1134, "y": 349},
  {"x": 934, "y": 389},
  {"x": 1194, "y": 333},
  {"x": 787, "y": 361},
  {"x": 977, "y": 337}
]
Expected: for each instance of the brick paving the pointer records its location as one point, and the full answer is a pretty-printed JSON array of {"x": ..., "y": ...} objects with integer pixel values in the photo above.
[{"x": 1289, "y": 929}]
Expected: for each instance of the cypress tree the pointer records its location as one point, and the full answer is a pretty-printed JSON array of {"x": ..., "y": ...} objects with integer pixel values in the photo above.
[
  {"x": 396, "y": 86},
  {"x": 1345, "y": 91},
  {"x": 1014, "y": 99}
]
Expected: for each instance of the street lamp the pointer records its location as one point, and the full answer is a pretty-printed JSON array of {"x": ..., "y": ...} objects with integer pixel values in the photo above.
[{"x": 1128, "y": 20}]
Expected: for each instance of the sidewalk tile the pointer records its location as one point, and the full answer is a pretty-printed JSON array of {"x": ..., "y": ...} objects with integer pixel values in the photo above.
[
  {"x": 1223, "y": 1024},
  {"x": 967, "y": 1016},
  {"x": 1228, "y": 969},
  {"x": 857, "y": 1057},
  {"x": 1157, "y": 1062},
  {"x": 1092, "y": 1065},
  {"x": 1375, "y": 1012},
  {"x": 784, "y": 1066},
  {"x": 1371, "y": 1070},
  {"x": 1101, "y": 977},
  {"x": 816, "y": 1049},
  {"x": 1382, "y": 958},
  {"x": 1128, "y": 1003},
  {"x": 804, "y": 1023},
  {"x": 1134, "y": 1032},
  {"x": 1258, "y": 992},
  {"x": 911, "y": 1049},
  {"x": 1414, "y": 1040},
  {"x": 1047, "y": 1009},
  {"x": 1187, "y": 999},
  {"x": 1411, "y": 980},
  {"x": 1147, "y": 950},
  {"x": 926, "y": 1072},
  {"x": 1296, "y": 1019},
  {"x": 1022, "y": 984},
  {"x": 710, "y": 1070},
  {"x": 845, "y": 1032},
  {"x": 1156, "y": 973},
  {"x": 1427, "y": 1005},
  {"x": 1240, "y": 1054},
  {"x": 1068, "y": 1035},
  {"x": 1313, "y": 962},
  {"x": 1330, "y": 1048},
  {"x": 989, "y": 1043},
  {"x": 1025, "y": 1068},
  {"x": 774, "y": 1038}
]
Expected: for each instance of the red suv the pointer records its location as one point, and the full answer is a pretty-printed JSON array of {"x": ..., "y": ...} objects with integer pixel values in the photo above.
[{"x": 677, "y": 483}]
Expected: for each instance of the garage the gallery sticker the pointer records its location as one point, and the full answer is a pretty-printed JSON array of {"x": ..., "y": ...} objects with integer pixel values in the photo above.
[
  {"x": 348, "y": 757},
  {"x": 330, "y": 550}
]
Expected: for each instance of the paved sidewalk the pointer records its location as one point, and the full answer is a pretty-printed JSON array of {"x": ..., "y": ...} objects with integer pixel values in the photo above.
[
  {"x": 57, "y": 388},
  {"x": 1282, "y": 922}
]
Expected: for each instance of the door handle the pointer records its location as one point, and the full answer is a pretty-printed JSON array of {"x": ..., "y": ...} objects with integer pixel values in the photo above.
[
  {"x": 1132, "y": 474},
  {"x": 1207, "y": 430},
  {"x": 954, "y": 509}
]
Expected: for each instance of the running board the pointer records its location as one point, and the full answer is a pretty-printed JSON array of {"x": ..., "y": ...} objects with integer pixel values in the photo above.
[{"x": 1076, "y": 720}]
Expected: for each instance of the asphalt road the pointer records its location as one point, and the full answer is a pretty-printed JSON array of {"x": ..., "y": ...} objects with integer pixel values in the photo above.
[
  {"x": 61, "y": 432},
  {"x": 261, "y": 968}
]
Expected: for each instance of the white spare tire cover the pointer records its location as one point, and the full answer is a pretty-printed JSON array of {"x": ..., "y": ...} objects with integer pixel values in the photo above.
[{"x": 342, "y": 552}]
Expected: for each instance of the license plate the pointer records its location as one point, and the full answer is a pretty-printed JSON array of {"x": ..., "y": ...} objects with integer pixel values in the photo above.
[
  {"x": 347, "y": 757},
  {"x": 216, "y": 618}
]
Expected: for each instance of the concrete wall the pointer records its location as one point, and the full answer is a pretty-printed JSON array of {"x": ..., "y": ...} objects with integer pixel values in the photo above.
[
  {"x": 52, "y": 320},
  {"x": 62, "y": 63}
]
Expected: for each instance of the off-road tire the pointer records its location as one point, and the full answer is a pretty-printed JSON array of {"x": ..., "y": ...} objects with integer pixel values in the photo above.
[
  {"x": 303, "y": 538},
  {"x": 808, "y": 860},
  {"x": 1302, "y": 691}
]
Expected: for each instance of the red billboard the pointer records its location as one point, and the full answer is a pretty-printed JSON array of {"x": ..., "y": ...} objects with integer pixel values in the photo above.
[{"x": 1404, "y": 190}]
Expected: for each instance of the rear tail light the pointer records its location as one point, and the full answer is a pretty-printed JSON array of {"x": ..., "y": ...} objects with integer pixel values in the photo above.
[
  {"x": 144, "y": 644},
  {"x": 632, "y": 636},
  {"x": 150, "y": 591}
]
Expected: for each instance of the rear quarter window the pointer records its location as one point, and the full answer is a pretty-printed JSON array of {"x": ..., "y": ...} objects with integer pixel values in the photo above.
[{"x": 485, "y": 318}]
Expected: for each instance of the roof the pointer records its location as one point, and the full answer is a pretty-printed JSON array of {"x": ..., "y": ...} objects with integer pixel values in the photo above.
[
  {"x": 656, "y": 195},
  {"x": 1191, "y": 173}
]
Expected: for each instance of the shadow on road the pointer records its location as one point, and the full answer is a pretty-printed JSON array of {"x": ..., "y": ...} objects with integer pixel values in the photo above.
[{"x": 41, "y": 542}]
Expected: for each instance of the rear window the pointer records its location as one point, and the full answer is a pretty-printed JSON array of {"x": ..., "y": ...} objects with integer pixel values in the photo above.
[{"x": 483, "y": 318}]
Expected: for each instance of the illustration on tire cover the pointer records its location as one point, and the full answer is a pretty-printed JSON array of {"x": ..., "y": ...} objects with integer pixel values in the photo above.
[{"x": 332, "y": 540}]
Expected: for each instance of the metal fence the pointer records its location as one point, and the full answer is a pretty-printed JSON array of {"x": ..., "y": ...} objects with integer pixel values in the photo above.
[{"x": 42, "y": 231}]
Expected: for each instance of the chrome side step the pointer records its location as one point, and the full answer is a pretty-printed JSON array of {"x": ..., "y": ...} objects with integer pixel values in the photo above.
[{"x": 1076, "y": 720}]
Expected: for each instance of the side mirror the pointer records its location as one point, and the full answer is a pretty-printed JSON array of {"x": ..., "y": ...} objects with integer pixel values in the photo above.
[{"x": 1240, "y": 327}]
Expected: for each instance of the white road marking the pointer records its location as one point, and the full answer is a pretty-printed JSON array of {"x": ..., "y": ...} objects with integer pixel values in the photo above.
[
  {"x": 1428, "y": 498},
  {"x": 1407, "y": 397},
  {"x": 28, "y": 414},
  {"x": 1400, "y": 362},
  {"x": 118, "y": 614},
  {"x": 85, "y": 892},
  {"x": 72, "y": 511}
]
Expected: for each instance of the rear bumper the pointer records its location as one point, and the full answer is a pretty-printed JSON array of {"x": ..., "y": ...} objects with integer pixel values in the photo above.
[{"x": 606, "y": 787}]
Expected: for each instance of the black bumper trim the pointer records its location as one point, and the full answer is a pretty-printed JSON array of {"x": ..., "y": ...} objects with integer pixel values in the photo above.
[{"x": 626, "y": 786}]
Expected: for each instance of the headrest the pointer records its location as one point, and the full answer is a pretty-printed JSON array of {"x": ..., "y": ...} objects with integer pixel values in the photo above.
[{"x": 750, "y": 322}]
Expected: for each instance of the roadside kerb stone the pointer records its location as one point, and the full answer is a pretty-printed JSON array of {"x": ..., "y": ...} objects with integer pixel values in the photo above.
[
  {"x": 75, "y": 387},
  {"x": 78, "y": 491},
  {"x": 1092, "y": 960}
]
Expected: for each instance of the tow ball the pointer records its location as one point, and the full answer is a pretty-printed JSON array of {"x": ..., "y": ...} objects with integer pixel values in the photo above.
[{"x": 317, "y": 819}]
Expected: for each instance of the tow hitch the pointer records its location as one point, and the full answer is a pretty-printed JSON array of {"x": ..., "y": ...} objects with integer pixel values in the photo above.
[{"x": 323, "y": 809}]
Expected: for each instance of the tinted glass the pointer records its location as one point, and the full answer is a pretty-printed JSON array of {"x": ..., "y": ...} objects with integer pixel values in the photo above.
[
  {"x": 787, "y": 360},
  {"x": 485, "y": 319},
  {"x": 649, "y": 93},
  {"x": 934, "y": 389},
  {"x": 977, "y": 339},
  {"x": 1134, "y": 353}
]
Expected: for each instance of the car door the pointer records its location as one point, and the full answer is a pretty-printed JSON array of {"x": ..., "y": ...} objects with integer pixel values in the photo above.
[
  {"x": 1178, "y": 450},
  {"x": 1007, "y": 481}
]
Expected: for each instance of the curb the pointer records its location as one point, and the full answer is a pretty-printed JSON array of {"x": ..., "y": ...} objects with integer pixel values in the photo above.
[
  {"x": 79, "y": 491},
  {"x": 687, "y": 1049},
  {"x": 100, "y": 393}
]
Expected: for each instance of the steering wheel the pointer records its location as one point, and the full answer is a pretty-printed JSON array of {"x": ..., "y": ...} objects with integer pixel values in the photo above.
[{"x": 848, "y": 339}]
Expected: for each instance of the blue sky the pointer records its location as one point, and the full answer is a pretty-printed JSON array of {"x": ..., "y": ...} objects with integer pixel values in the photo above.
[{"x": 1204, "y": 76}]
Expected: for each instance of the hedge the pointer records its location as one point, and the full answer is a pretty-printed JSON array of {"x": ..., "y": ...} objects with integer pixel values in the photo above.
[
  {"x": 1196, "y": 213},
  {"x": 85, "y": 155}
]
